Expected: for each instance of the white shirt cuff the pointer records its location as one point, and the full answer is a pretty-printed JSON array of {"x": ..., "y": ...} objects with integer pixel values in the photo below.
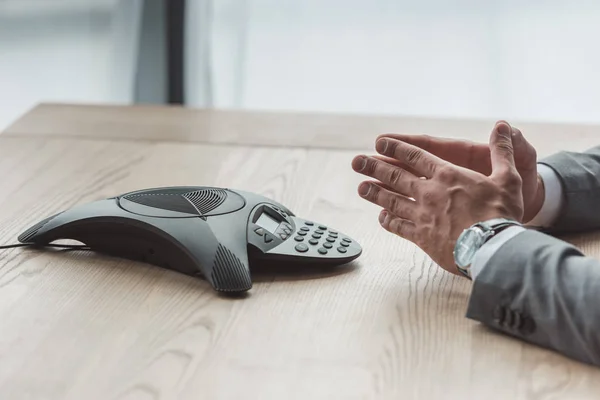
[
  {"x": 485, "y": 252},
  {"x": 552, "y": 201}
]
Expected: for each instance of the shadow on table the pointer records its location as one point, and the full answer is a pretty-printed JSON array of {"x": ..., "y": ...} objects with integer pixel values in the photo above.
[
  {"x": 267, "y": 271},
  {"x": 263, "y": 271}
]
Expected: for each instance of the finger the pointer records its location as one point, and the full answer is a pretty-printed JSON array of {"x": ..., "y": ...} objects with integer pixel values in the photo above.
[
  {"x": 397, "y": 225},
  {"x": 463, "y": 153},
  {"x": 501, "y": 149},
  {"x": 425, "y": 142},
  {"x": 424, "y": 163},
  {"x": 399, "y": 205},
  {"x": 525, "y": 154},
  {"x": 400, "y": 180},
  {"x": 396, "y": 163},
  {"x": 390, "y": 189}
]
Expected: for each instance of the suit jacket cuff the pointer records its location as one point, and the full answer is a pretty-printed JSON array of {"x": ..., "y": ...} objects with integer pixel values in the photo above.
[
  {"x": 542, "y": 290},
  {"x": 487, "y": 251},
  {"x": 580, "y": 181}
]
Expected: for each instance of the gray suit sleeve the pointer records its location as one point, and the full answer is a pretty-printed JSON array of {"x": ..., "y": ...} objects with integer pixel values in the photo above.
[
  {"x": 544, "y": 291},
  {"x": 579, "y": 174}
]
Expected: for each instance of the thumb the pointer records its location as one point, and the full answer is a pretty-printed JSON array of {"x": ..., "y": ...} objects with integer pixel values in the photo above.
[
  {"x": 525, "y": 154},
  {"x": 501, "y": 149}
]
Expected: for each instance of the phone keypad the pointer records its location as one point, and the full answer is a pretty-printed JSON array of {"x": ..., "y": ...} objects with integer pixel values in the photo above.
[{"x": 331, "y": 240}]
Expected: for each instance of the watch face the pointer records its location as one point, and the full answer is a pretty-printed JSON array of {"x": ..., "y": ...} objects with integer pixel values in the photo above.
[{"x": 467, "y": 245}]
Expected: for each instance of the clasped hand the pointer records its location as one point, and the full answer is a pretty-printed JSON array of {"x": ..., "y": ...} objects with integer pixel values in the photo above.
[{"x": 431, "y": 189}]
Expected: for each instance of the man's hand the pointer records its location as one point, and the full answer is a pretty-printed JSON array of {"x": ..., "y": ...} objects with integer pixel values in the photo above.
[
  {"x": 430, "y": 201},
  {"x": 476, "y": 157}
]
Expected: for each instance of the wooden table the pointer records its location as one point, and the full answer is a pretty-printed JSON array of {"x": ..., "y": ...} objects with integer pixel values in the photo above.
[{"x": 389, "y": 326}]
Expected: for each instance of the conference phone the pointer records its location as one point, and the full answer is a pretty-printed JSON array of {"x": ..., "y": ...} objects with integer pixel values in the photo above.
[{"x": 211, "y": 232}]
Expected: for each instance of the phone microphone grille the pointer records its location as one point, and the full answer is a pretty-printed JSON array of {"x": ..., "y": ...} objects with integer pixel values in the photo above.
[{"x": 206, "y": 200}]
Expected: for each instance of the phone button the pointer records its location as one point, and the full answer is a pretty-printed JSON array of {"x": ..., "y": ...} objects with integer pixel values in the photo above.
[{"x": 301, "y": 247}]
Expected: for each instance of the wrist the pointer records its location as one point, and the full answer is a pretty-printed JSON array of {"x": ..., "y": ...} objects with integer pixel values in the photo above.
[
  {"x": 538, "y": 200},
  {"x": 487, "y": 251},
  {"x": 474, "y": 237}
]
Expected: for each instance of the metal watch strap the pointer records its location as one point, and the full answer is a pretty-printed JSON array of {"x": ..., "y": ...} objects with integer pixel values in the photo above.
[{"x": 495, "y": 226}]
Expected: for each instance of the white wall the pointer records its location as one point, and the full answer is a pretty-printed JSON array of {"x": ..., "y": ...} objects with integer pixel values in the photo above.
[
  {"x": 65, "y": 50},
  {"x": 534, "y": 60}
]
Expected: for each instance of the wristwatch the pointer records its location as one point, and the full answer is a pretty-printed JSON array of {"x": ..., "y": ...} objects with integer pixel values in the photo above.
[{"x": 472, "y": 238}]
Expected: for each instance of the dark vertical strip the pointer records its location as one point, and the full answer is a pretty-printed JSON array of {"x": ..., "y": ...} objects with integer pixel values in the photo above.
[
  {"x": 151, "y": 71},
  {"x": 175, "y": 32}
]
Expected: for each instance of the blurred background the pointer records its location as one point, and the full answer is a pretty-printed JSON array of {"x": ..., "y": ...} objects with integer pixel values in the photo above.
[{"x": 535, "y": 60}]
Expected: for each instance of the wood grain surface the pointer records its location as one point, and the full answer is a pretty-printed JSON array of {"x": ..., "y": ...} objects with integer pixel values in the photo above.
[
  {"x": 237, "y": 127},
  {"x": 391, "y": 325}
]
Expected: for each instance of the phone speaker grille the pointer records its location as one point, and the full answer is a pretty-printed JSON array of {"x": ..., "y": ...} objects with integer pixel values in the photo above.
[
  {"x": 29, "y": 233},
  {"x": 207, "y": 200},
  {"x": 229, "y": 274},
  {"x": 164, "y": 201}
]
